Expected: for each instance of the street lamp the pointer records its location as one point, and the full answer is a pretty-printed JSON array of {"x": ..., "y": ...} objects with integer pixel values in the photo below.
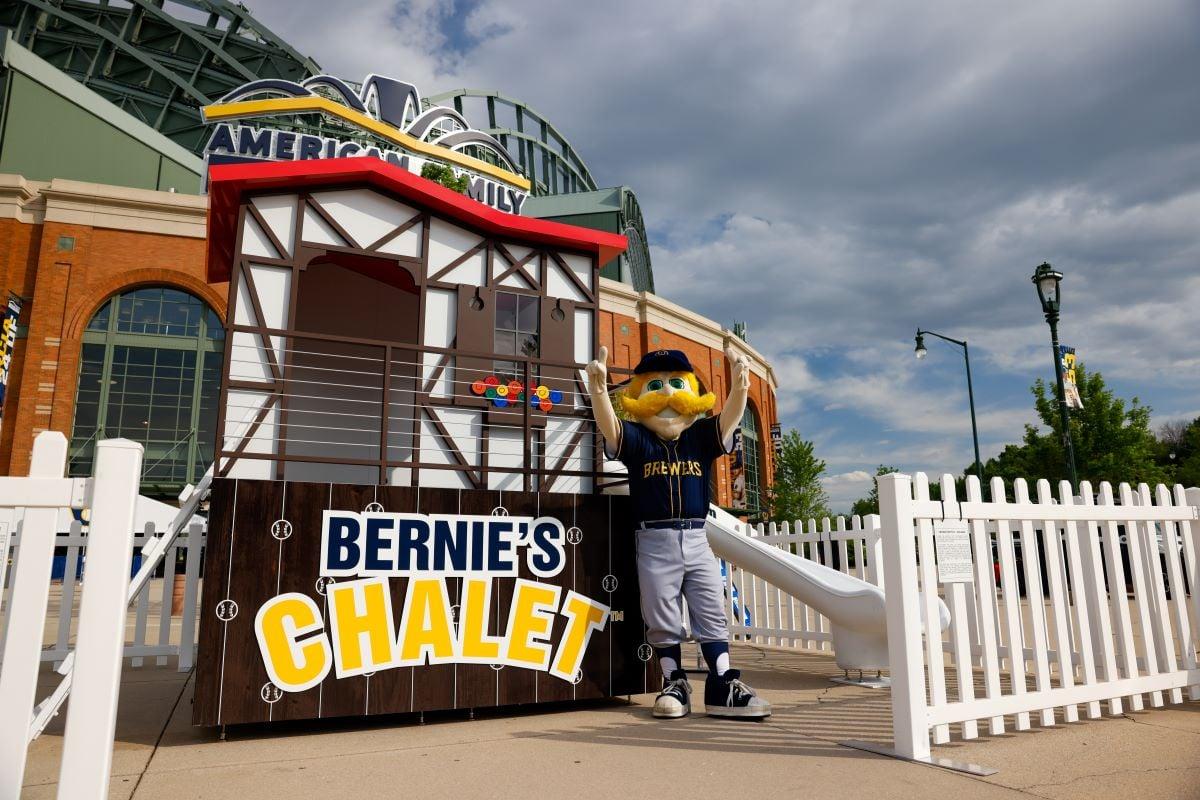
[
  {"x": 921, "y": 352},
  {"x": 1048, "y": 282}
]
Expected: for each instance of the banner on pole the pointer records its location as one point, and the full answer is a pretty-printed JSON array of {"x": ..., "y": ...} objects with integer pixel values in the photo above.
[
  {"x": 1070, "y": 389},
  {"x": 8, "y": 341},
  {"x": 737, "y": 471}
]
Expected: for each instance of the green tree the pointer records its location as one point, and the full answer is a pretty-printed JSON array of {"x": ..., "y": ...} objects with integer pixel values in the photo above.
[
  {"x": 1112, "y": 438},
  {"x": 797, "y": 492},
  {"x": 1187, "y": 471},
  {"x": 1179, "y": 451},
  {"x": 445, "y": 176},
  {"x": 870, "y": 504}
]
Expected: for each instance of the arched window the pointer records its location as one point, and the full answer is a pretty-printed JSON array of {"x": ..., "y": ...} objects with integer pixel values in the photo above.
[
  {"x": 750, "y": 460},
  {"x": 150, "y": 371}
]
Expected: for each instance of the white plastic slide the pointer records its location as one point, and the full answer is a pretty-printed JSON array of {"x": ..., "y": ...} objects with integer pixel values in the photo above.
[{"x": 854, "y": 607}]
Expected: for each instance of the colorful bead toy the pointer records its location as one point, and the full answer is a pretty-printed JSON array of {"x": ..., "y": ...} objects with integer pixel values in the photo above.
[{"x": 503, "y": 395}]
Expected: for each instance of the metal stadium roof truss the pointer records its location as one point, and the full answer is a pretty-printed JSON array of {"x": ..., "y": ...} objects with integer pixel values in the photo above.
[
  {"x": 160, "y": 61},
  {"x": 538, "y": 149},
  {"x": 181, "y": 65},
  {"x": 637, "y": 255}
]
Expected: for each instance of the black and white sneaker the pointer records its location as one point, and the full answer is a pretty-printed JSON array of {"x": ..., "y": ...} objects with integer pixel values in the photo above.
[
  {"x": 674, "y": 700},
  {"x": 726, "y": 696}
]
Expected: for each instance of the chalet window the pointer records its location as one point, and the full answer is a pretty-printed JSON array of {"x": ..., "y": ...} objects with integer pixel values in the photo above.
[
  {"x": 516, "y": 332},
  {"x": 492, "y": 323}
]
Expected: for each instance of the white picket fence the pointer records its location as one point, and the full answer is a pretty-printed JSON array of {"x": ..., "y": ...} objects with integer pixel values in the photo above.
[
  {"x": 154, "y": 633},
  {"x": 762, "y": 613},
  {"x": 90, "y": 645},
  {"x": 1084, "y": 638},
  {"x": 94, "y": 668},
  {"x": 1045, "y": 628}
]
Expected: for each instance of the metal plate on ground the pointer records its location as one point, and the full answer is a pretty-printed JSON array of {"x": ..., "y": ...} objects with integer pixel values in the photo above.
[
  {"x": 866, "y": 683},
  {"x": 932, "y": 761}
]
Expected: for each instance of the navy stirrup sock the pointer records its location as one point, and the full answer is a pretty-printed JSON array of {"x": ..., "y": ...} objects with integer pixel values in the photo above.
[
  {"x": 716, "y": 655},
  {"x": 670, "y": 658}
]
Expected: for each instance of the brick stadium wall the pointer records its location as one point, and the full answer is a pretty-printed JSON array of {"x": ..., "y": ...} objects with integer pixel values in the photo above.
[
  {"x": 19, "y": 244},
  {"x": 63, "y": 289}
]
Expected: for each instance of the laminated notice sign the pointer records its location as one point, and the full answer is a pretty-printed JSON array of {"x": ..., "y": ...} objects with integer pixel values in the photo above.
[{"x": 952, "y": 544}]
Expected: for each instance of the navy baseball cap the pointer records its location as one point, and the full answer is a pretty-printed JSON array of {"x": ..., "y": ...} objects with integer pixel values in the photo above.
[{"x": 663, "y": 361}]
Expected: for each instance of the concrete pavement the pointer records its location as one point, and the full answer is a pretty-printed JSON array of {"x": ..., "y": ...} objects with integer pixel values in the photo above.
[{"x": 613, "y": 750}]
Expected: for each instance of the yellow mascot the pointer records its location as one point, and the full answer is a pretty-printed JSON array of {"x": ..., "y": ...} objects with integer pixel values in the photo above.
[{"x": 669, "y": 452}]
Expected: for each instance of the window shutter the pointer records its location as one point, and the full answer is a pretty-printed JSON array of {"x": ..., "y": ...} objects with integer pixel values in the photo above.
[
  {"x": 474, "y": 334},
  {"x": 558, "y": 344}
]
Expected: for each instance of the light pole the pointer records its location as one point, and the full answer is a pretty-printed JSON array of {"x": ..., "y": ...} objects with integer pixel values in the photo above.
[
  {"x": 1048, "y": 280},
  {"x": 922, "y": 352}
]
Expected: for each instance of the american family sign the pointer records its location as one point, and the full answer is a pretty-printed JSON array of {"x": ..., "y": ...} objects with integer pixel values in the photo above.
[
  {"x": 265, "y": 120},
  {"x": 328, "y": 600}
]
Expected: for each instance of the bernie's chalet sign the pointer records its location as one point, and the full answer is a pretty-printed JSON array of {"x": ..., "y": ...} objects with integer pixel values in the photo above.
[
  {"x": 365, "y": 635},
  {"x": 277, "y": 120},
  {"x": 423, "y": 599}
]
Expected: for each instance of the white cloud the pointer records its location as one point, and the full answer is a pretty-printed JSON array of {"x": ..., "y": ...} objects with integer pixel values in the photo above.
[
  {"x": 846, "y": 487},
  {"x": 838, "y": 174},
  {"x": 797, "y": 383}
]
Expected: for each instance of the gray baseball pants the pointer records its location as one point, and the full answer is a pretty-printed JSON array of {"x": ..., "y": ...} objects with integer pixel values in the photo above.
[{"x": 673, "y": 565}]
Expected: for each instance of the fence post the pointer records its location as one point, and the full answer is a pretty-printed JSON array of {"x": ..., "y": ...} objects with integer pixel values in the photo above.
[
  {"x": 27, "y": 617},
  {"x": 92, "y": 715},
  {"x": 910, "y": 731},
  {"x": 1190, "y": 533},
  {"x": 187, "y": 626},
  {"x": 5, "y": 542},
  {"x": 874, "y": 544}
]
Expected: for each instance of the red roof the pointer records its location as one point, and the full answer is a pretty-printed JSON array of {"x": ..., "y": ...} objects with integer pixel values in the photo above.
[{"x": 229, "y": 183}]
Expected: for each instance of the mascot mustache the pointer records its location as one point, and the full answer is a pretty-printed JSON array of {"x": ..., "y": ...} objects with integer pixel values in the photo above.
[{"x": 683, "y": 401}]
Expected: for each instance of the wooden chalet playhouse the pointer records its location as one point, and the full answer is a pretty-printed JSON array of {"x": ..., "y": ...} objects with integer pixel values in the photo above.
[
  {"x": 392, "y": 345},
  {"x": 385, "y": 329}
]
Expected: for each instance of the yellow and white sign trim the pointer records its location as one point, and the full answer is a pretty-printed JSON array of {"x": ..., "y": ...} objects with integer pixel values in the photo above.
[{"x": 242, "y": 109}]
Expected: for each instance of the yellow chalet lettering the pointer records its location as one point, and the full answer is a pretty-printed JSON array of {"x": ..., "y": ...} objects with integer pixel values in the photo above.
[
  {"x": 363, "y": 637},
  {"x": 360, "y": 621},
  {"x": 527, "y": 641},
  {"x": 293, "y": 663},
  {"x": 584, "y": 617}
]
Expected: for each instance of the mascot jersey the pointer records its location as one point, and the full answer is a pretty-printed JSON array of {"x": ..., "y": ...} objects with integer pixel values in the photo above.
[{"x": 670, "y": 480}]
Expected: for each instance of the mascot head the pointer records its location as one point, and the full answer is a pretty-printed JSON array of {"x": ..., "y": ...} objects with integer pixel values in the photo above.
[{"x": 664, "y": 394}]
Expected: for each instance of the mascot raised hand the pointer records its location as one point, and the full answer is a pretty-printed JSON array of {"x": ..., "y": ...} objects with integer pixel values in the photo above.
[{"x": 669, "y": 452}]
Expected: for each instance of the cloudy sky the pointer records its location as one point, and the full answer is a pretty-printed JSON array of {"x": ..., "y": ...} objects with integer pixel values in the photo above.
[{"x": 838, "y": 173}]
